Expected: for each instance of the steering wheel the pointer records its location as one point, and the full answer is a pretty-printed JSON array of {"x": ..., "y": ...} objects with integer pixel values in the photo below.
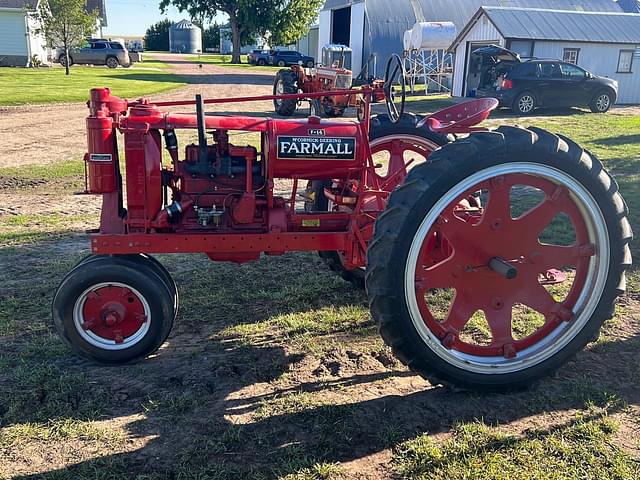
[{"x": 392, "y": 74}]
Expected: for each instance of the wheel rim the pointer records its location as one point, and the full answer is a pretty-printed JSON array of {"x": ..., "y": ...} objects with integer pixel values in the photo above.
[
  {"x": 602, "y": 103},
  {"x": 112, "y": 316},
  {"x": 112, "y": 63},
  {"x": 397, "y": 148},
  {"x": 462, "y": 267},
  {"x": 525, "y": 104},
  {"x": 279, "y": 91}
]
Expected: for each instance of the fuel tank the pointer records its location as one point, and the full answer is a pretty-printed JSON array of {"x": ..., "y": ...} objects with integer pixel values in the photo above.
[{"x": 314, "y": 149}]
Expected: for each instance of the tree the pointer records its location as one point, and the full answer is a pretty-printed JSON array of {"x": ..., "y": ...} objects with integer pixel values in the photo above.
[
  {"x": 157, "y": 36},
  {"x": 64, "y": 24},
  {"x": 249, "y": 18},
  {"x": 293, "y": 20},
  {"x": 211, "y": 37}
]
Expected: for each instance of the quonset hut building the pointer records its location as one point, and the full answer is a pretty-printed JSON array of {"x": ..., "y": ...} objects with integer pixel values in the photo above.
[{"x": 373, "y": 29}]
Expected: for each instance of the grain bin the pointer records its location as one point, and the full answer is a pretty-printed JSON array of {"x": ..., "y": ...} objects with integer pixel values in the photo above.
[
  {"x": 185, "y": 37},
  {"x": 433, "y": 35},
  {"x": 406, "y": 41}
]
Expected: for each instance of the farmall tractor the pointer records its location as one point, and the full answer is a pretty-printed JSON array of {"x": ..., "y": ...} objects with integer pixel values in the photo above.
[
  {"x": 299, "y": 79},
  {"x": 489, "y": 261}
]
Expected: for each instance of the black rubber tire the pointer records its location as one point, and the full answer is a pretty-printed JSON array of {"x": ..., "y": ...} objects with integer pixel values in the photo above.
[
  {"x": 311, "y": 64},
  {"x": 315, "y": 108},
  {"x": 140, "y": 276},
  {"x": 289, "y": 80},
  {"x": 424, "y": 186},
  {"x": 381, "y": 126},
  {"x": 62, "y": 60},
  {"x": 331, "y": 111},
  {"x": 153, "y": 263},
  {"x": 515, "y": 107},
  {"x": 593, "y": 106},
  {"x": 112, "y": 62},
  {"x": 262, "y": 62},
  {"x": 282, "y": 63}
]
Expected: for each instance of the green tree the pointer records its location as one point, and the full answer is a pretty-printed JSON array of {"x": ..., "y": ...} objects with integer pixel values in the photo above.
[
  {"x": 292, "y": 20},
  {"x": 250, "y": 18},
  {"x": 157, "y": 36},
  {"x": 64, "y": 24},
  {"x": 211, "y": 37}
]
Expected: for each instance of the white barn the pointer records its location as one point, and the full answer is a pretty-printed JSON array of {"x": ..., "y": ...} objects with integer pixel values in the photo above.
[
  {"x": 18, "y": 41},
  {"x": 605, "y": 43}
]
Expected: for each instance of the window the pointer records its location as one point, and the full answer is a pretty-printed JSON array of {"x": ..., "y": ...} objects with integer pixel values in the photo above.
[
  {"x": 571, "y": 72},
  {"x": 98, "y": 46},
  {"x": 527, "y": 70},
  {"x": 571, "y": 55},
  {"x": 625, "y": 61},
  {"x": 524, "y": 48},
  {"x": 550, "y": 70},
  {"x": 116, "y": 46}
]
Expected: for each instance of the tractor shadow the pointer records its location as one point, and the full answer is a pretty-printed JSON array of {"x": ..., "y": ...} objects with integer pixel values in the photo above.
[
  {"x": 216, "y": 402},
  {"x": 214, "y": 78}
]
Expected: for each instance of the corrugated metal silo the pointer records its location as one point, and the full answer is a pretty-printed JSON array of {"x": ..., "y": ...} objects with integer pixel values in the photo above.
[{"x": 185, "y": 37}]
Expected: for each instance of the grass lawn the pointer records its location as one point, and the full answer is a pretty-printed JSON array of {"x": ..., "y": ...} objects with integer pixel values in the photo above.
[
  {"x": 225, "y": 61},
  {"x": 20, "y": 86},
  {"x": 274, "y": 369}
]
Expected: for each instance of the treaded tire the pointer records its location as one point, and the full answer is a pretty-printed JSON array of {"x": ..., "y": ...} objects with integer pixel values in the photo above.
[
  {"x": 381, "y": 126},
  {"x": 289, "y": 80},
  {"x": 112, "y": 62},
  {"x": 105, "y": 269},
  {"x": 515, "y": 107},
  {"x": 425, "y": 185},
  {"x": 595, "y": 108}
]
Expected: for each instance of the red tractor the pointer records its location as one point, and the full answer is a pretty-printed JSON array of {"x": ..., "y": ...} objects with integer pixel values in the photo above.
[
  {"x": 490, "y": 260},
  {"x": 299, "y": 79}
]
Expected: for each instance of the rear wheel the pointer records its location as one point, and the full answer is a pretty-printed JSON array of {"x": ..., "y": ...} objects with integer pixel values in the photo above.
[
  {"x": 63, "y": 60},
  {"x": 286, "y": 82},
  {"x": 112, "y": 62},
  {"x": 282, "y": 63},
  {"x": 496, "y": 297},
  {"x": 524, "y": 104},
  {"x": 310, "y": 64},
  {"x": 113, "y": 310},
  {"x": 602, "y": 102},
  {"x": 332, "y": 111},
  {"x": 396, "y": 146},
  {"x": 262, "y": 62}
]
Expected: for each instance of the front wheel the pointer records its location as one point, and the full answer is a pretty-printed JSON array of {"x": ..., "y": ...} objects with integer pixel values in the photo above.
[
  {"x": 524, "y": 104},
  {"x": 496, "y": 294},
  {"x": 113, "y": 310},
  {"x": 601, "y": 103},
  {"x": 282, "y": 63}
]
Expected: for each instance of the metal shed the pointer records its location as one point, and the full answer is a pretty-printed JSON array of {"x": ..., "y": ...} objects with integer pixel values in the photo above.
[
  {"x": 374, "y": 28},
  {"x": 605, "y": 43}
]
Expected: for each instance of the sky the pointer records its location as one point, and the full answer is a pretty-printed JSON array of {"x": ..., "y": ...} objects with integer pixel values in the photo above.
[{"x": 133, "y": 17}]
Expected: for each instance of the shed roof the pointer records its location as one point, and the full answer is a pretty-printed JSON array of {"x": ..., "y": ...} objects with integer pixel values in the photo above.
[
  {"x": 630, "y": 6},
  {"x": 544, "y": 24},
  {"x": 18, "y": 4}
]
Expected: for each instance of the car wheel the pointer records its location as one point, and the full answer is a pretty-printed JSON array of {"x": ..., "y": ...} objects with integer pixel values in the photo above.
[
  {"x": 601, "y": 103},
  {"x": 282, "y": 63},
  {"x": 112, "y": 62},
  {"x": 524, "y": 104},
  {"x": 262, "y": 62},
  {"x": 310, "y": 64},
  {"x": 63, "y": 60}
]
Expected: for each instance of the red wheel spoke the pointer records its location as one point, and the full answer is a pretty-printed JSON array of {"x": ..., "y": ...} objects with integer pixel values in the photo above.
[
  {"x": 442, "y": 275},
  {"x": 459, "y": 314},
  {"x": 537, "y": 219},
  {"x": 547, "y": 256},
  {"x": 537, "y": 297},
  {"x": 499, "y": 202},
  {"x": 500, "y": 324},
  {"x": 450, "y": 225}
]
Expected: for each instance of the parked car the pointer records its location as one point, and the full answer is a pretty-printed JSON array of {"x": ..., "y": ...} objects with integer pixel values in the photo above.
[
  {"x": 258, "y": 57},
  {"x": 524, "y": 86},
  {"x": 285, "y": 58},
  {"x": 99, "y": 52}
]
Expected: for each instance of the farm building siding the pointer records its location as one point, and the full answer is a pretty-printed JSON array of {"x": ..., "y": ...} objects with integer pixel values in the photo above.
[
  {"x": 600, "y": 59},
  {"x": 483, "y": 31},
  {"x": 13, "y": 38},
  {"x": 385, "y": 21}
]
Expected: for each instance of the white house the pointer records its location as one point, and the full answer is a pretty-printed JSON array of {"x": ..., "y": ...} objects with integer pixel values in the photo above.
[
  {"x": 605, "y": 43},
  {"x": 18, "y": 41}
]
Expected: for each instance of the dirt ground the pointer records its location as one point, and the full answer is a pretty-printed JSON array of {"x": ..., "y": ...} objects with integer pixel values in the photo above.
[{"x": 244, "y": 387}]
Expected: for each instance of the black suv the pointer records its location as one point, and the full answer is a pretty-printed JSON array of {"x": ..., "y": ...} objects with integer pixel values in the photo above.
[
  {"x": 284, "y": 58},
  {"x": 524, "y": 86}
]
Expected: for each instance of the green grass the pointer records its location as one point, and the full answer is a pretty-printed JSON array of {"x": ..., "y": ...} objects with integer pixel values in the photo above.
[
  {"x": 225, "y": 61},
  {"x": 59, "y": 430},
  {"x": 45, "y": 172},
  {"x": 22, "y": 86},
  {"x": 583, "y": 449}
]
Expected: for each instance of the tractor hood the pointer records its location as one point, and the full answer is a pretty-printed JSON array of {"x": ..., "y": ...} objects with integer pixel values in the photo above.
[{"x": 498, "y": 54}]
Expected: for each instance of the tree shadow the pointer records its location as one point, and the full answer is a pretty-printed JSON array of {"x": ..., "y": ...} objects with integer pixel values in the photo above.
[{"x": 198, "y": 78}]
